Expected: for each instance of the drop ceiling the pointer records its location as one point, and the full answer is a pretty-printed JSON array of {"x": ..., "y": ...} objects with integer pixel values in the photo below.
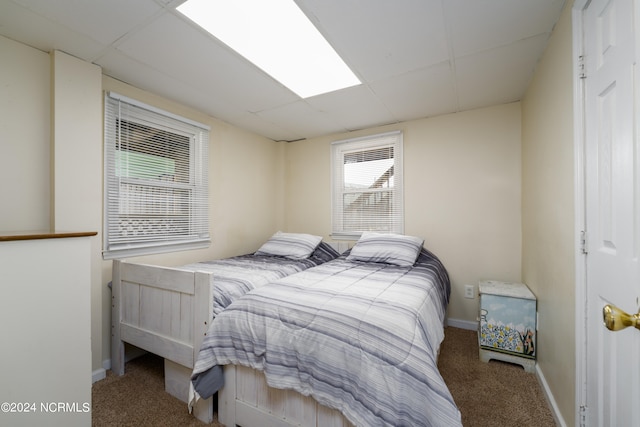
[{"x": 416, "y": 58}]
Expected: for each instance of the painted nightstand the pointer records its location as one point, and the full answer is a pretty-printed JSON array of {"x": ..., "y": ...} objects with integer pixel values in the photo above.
[{"x": 507, "y": 329}]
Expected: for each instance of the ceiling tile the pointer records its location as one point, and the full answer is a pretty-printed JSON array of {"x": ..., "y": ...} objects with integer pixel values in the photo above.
[
  {"x": 418, "y": 94},
  {"x": 21, "y": 24},
  {"x": 127, "y": 69},
  {"x": 498, "y": 76},
  {"x": 263, "y": 126},
  {"x": 353, "y": 108},
  {"x": 104, "y": 21},
  {"x": 302, "y": 120},
  {"x": 199, "y": 60},
  {"x": 510, "y": 21},
  {"x": 384, "y": 40}
]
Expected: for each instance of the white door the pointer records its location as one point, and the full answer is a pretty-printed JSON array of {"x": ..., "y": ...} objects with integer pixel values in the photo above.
[{"x": 612, "y": 211}]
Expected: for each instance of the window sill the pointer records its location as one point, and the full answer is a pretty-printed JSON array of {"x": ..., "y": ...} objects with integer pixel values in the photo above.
[{"x": 152, "y": 250}]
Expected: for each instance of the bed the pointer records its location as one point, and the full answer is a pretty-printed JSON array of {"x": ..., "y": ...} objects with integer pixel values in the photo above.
[
  {"x": 353, "y": 341},
  {"x": 167, "y": 310}
]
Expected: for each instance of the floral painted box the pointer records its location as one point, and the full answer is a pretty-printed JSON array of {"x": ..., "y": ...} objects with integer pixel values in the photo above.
[{"x": 507, "y": 329}]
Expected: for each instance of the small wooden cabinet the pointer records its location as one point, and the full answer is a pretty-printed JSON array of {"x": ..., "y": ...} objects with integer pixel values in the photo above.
[{"x": 507, "y": 328}]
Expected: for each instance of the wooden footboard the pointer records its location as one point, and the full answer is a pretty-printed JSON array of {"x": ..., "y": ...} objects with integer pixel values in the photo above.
[
  {"x": 247, "y": 400},
  {"x": 163, "y": 310}
]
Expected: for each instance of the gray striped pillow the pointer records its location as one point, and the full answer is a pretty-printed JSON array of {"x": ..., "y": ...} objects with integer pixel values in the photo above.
[
  {"x": 290, "y": 245},
  {"x": 394, "y": 249}
]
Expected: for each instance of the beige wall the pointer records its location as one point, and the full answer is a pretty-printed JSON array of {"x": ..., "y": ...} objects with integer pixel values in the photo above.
[
  {"x": 462, "y": 193},
  {"x": 548, "y": 254},
  {"x": 24, "y": 137}
]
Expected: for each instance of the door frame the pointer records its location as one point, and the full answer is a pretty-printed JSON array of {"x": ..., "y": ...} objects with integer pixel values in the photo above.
[{"x": 581, "y": 329}]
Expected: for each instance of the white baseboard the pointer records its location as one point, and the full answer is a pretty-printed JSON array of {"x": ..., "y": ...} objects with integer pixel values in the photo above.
[
  {"x": 98, "y": 374},
  {"x": 550, "y": 399},
  {"x": 462, "y": 324}
]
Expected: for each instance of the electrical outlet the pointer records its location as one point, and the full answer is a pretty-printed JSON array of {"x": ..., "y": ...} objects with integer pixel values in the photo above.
[{"x": 469, "y": 291}]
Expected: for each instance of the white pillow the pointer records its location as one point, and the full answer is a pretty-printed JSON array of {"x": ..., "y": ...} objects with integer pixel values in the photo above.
[
  {"x": 394, "y": 249},
  {"x": 290, "y": 245}
]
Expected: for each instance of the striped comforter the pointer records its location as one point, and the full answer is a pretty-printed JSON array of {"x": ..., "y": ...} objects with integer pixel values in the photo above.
[
  {"x": 358, "y": 337},
  {"x": 234, "y": 277}
]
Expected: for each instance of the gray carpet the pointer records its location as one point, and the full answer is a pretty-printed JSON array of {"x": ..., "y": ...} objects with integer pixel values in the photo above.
[{"x": 488, "y": 394}]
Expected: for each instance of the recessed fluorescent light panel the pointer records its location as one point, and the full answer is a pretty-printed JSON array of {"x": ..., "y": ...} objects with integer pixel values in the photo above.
[{"x": 277, "y": 37}]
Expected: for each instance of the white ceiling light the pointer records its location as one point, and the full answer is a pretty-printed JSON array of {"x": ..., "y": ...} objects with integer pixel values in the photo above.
[{"x": 277, "y": 37}]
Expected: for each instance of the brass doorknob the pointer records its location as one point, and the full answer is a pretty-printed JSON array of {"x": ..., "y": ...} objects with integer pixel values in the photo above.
[{"x": 616, "y": 319}]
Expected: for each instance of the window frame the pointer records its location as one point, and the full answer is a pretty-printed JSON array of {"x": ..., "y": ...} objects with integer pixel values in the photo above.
[
  {"x": 190, "y": 194},
  {"x": 344, "y": 147}
]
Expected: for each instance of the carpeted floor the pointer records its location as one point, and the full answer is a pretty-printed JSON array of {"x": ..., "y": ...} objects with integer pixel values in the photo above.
[
  {"x": 488, "y": 394},
  {"x": 138, "y": 399}
]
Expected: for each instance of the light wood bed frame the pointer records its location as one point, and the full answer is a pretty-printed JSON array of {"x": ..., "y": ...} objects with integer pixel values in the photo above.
[{"x": 166, "y": 311}]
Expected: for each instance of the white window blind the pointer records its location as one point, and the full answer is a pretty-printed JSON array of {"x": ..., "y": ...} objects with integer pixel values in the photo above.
[
  {"x": 367, "y": 185},
  {"x": 156, "y": 189}
]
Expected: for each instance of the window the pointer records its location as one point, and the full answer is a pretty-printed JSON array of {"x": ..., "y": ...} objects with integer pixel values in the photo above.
[
  {"x": 367, "y": 185},
  {"x": 156, "y": 191}
]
